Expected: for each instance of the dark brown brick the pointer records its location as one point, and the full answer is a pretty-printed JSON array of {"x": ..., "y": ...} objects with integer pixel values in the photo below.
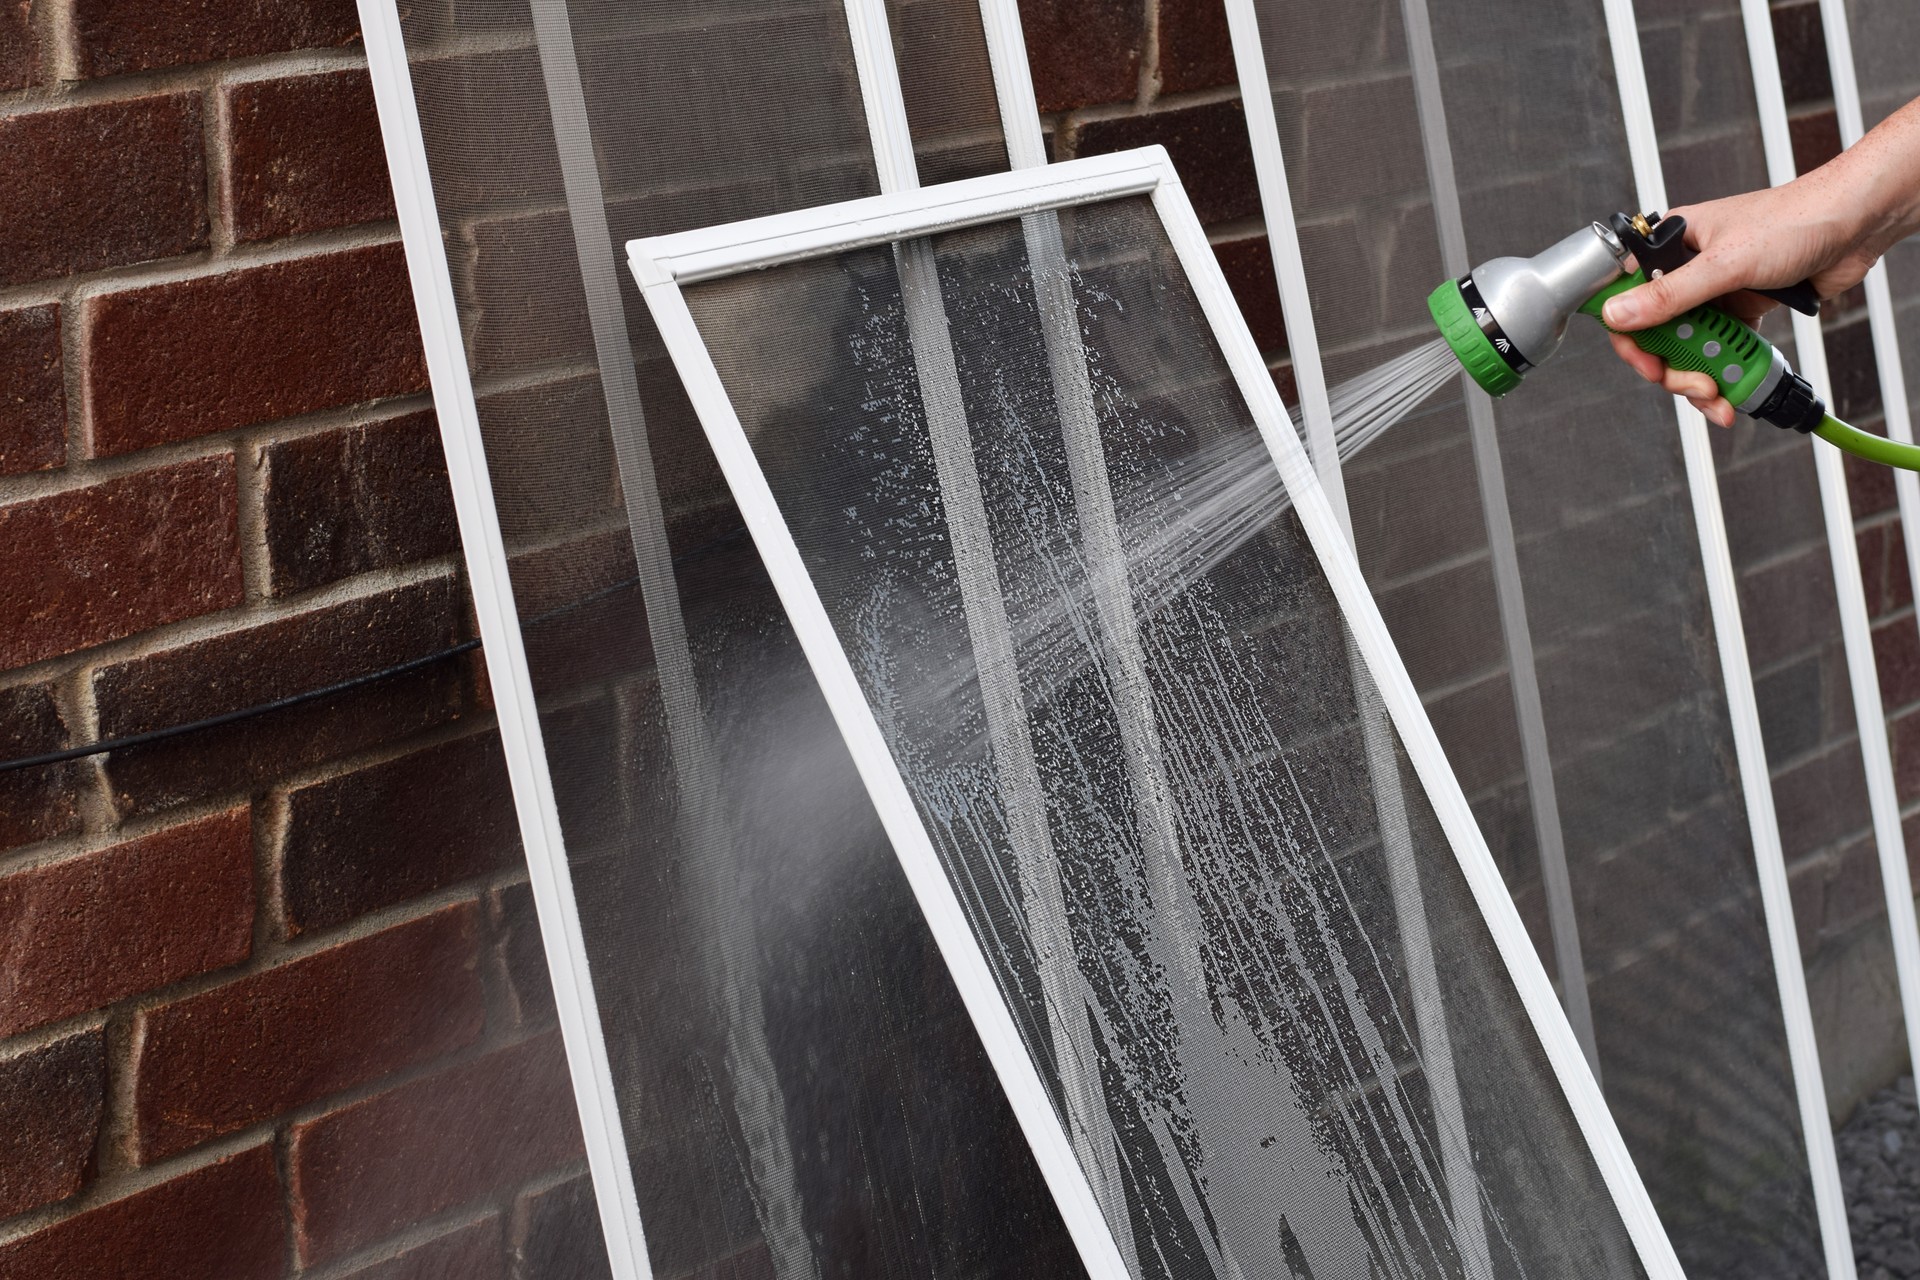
[
  {"x": 1209, "y": 148},
  {"x": 1816, "y": 139},
  {"x": 522, "y": 956},
  {"x": 91, "y": 565},
  {"x": 1083, "y": 51},
  {"x": 83, "y": 932},
  {"x": 226, "y": 1058},
  {"x": 1248, "y": 266},
  {"x": 51, "y": 1101},
  {"x": 274, "y": 660},
  {"x": 118, "y": 36},
  {"x": 36, "y": 804},
  {"x": 472, "y": 1252},
  {"x": 306, "y": 155},
  {"x": 221, "y": 1222},
  {"x": 440, "y": 1141},
  {"x": 1196, "y": 49},
  {"x": 175, "y": 360},
  {"x": 1870, "y": 488},
  {"x": 1852, "y": 371},
  {"x": 33, "y": 394},
  {"x": 1896, "y": 652},
  {"x": 19, "y": 50},
  {"x": 1854, "y": 891},
  {"x": 99, "y": 186},
  {"x": 755, "y": 1263},
  {"x": 1801, "y": 44},
  {"x": 557, "y": 1234},
  {"x": 388, "y": 832},
  {"x": 1904, "y": 732},
  {"x": 363, "y": 497}
]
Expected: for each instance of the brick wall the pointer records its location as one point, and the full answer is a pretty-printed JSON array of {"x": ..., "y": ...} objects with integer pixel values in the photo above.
[
  {"x": 267, "y": 996},
  {"x": 273, "y": 1001}
]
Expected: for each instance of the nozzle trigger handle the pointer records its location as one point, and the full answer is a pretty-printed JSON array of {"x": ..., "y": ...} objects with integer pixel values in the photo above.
[{"x": 1663, "y": 248}]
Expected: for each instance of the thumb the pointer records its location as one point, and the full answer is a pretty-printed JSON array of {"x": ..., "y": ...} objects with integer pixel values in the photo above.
[{"x": 1705, "y": 278}]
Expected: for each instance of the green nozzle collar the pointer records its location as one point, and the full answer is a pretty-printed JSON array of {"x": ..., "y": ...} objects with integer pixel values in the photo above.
[{"x": 1470, "y": 344}]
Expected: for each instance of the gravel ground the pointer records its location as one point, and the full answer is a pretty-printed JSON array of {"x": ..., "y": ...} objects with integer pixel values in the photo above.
[{"x": 1880, "y": 1168}]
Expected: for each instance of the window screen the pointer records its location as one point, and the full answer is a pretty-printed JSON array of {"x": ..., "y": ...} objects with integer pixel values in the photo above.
[
  {"x": 1130, "y": 719},
  {"x": 798, "y": 1089},
  {"x": 1538, "y": 562}
]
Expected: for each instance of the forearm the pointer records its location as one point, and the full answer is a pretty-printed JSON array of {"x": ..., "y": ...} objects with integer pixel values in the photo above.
[{"x": 1877, "y": 182}]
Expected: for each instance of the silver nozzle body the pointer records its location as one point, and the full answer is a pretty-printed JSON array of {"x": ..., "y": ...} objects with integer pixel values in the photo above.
[{"x": 1533, "y": 298}]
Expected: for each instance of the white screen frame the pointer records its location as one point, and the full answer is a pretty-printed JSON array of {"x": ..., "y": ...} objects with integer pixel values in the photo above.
[{"x": 664, "y": 265}]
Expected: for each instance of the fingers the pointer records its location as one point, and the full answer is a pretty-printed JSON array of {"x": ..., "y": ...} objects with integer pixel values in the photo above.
[
  {"x": 1705, "y": 278},
  {"x": 1700, "y": 390}
]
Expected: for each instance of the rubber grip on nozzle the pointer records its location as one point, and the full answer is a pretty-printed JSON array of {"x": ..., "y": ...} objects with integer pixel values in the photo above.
[{"x": 1469, "y": 342}]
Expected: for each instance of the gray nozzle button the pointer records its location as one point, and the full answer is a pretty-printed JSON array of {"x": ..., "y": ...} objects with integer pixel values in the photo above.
[
  {"x": 1685, "y": 331},
  {"x": 1712, "y": 348},
  {"x": 1733, "y": 373}
]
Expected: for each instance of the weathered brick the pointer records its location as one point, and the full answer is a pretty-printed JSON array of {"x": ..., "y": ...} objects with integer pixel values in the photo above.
[
  {"x": 85, "y": 931},
  {"x": 1196, "y": 49},
  {"x": 1852, "y": 370},
  {"x": 1883, "y": 566},
  {"x": 1083, "y": 51},
  {"x": 376, "y": 836},
  {"x": 51, "y": 1101},
  {"x": 114, "y": 37},
  {"x": 101, "y": 185},
  {"x": 522, "y": 957},
  {"x": 557, "y": 1234},
  {"x": 1802, "y": 46},
  {"x": 1870, "y": 488},
  {"x": 232, "y": 1056},
  {"x": 36, "y": 804},
  {"x": 443, "y": 1140},
  {"x": 182, "y": 359},
  {"x": 1896, "y": 653},
  {"x": 33, "y": 394},
  {"x": 221, "y": 1222},
  {"x": 19, "y": 50},
  {"x": 1335, "y": 172},
  {"x": 755, "y": 1262},
  {"x": 274, "y": 660},
  {"x": 306, "y": 155},
  {"x": 1248, "y": 266},
  {"x": 1854, "y": 891},
  {"x": 363, "y": 497},
  {"x": 1816, "y": 139},
  {"x": 1209, "y": 147},
  {"x": 472, "y": 1252},
  {"x": 94, "y": 564}
]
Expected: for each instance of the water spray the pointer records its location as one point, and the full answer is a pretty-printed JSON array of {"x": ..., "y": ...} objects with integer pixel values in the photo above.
[{"x": 1509, "y": 314}]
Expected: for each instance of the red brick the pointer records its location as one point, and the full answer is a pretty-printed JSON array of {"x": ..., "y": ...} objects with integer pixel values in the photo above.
[
  {"x": 1816, "y": 139},
  {"x": 223, "y": 1059},
  {"x": 1801, "y": 43},
  {"x": 259, "y": 664},
  {"x": 420, "y": 1149},
  {"x": 118, "y": 36},
  {"x": 99, "y": 186},
  {"x": 1854, "y": 892},
  {"x": 1896, "y": 652},
  {"x": 222, "y": 1222},
  {"x": 1083, "y": 51},
  {"x": 557, "y": 1234},
  {"x": 1196, "y": 49},
  {"x": 388, "y": 832},
  {"x": 83, "y": 932},
  {"x": 1870, "y": 488},
  {"x": 364, "y": 497},
  {"x": 33, "y": 394},
  {"x": 51, "y": 1101},
  {"x": 19, "y": 50},
  {"x": 171, "y": 361},
  {"x": 1854, "y": 374},
  {"x": 1209, "y": 148},
  {"x": 36, "y": 804},
  {"x": 470, "y": 1253},
  {"x": 521, "y": 954},
  {"x": 306, "y": 155},
  {"x": 1904, "y": 732},
  {"x": 1248, "y": 266},
  {"x": 91, "y": 565}
]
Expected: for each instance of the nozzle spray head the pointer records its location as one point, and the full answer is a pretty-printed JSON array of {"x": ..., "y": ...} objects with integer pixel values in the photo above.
[{"x": 1508, "y": 314}]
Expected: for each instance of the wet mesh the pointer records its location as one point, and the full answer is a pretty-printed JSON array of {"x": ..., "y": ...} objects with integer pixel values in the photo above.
[
  {"x": 1210, "y": 888},
  {"x": 1601, "y": 601},
  {"x": 798, "y": 1086}
]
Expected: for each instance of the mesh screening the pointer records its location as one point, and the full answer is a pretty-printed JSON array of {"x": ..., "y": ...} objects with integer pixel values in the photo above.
[
  {"x": 1211, "y": 890},
  {"x": 1667, "y": 926},
  {"x": 799, "y": 1089}
]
